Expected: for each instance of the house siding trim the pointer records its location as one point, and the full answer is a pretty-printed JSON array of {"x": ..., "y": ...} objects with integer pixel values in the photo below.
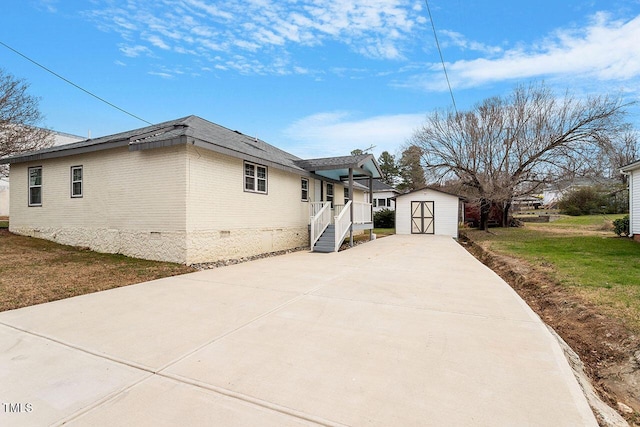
[{"x": 634, "y": 203}]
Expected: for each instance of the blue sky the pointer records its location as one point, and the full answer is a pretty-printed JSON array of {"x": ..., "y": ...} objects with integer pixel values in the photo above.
[{"x": 313, "y": 77}]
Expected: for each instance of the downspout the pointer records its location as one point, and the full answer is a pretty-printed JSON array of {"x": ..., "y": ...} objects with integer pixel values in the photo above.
[{"x": 351, "y": 207}]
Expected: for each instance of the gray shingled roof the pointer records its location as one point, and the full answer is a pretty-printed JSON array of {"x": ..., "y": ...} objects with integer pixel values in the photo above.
[
  {"x": 202, "y": 133},
  {"x": 191, "y": 129},
  {"x": 381, "y": 186},
  {"x": 324, "y": 163}
]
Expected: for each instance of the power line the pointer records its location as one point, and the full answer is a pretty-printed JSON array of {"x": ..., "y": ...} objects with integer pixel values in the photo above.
[
  {"x": 74, "y": 85},
  {"x": 446, "y": 75}
]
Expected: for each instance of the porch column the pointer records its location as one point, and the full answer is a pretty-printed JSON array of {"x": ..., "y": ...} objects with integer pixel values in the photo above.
[
  {"x": 371, "y": 205},
  {"x": 351, "y": 209}
]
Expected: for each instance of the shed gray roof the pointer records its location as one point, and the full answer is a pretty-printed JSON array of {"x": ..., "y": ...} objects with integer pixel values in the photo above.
[
  {"x": 430, "y": 189},
  {"x": 631, "y": 166}
]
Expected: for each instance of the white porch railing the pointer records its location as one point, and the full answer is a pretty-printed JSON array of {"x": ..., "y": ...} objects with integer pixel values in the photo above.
[
  {"x": 320, "y": 220},
  {"x": 315, "y": 207},
  {"x": 342, "y": 223},
  {"x": 361, "y": 213}
]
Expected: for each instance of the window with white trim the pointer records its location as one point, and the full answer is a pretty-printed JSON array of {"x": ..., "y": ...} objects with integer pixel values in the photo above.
[
  {"x": 35, "y": 186},
  {"x": 346, "y": 195},
  {"x": 330, "y": 194},
  {"x": 255, "y": 178},
  {"x": 304, "y": 187},
  {"x": 382, "y": 202},
  {"x": 76, "y": 181}
]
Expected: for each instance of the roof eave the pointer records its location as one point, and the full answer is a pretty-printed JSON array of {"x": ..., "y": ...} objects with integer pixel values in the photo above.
[
  {"x": 36, "y": 156},
  {"x": 243, "y": 156},
  {"x": 630, "y": 167}
]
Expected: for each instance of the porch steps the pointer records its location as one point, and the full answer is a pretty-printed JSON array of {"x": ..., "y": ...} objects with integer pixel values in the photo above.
[{"x": 326, "y": 242}]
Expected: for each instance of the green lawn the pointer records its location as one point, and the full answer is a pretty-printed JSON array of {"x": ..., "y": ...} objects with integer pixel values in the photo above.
[
  {"x": 581, "y": 253},
  {"x": 382, "y": 232}
]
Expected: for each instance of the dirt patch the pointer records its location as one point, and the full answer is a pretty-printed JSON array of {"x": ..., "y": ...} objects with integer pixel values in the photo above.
[
  {"x": 609, "y": 351},
  {"x": 35, "y": 271}
]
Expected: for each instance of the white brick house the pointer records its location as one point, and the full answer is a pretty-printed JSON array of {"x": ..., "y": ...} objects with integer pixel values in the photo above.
[
  {"x": 59, "y": 138},
  {"x": 185, "y": 191}
]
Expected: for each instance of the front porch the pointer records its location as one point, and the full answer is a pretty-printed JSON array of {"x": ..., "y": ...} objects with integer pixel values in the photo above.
[
  {"x": 330, "y": 226},
  {"x": 330, "y": 223}
]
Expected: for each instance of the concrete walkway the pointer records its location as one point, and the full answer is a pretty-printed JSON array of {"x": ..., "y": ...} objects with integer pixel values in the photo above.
[{"x": 402, "y": 331}]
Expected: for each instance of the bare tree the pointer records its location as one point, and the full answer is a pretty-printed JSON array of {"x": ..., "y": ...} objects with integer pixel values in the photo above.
[
  {"x": 507, "y": 147},
  {"x": 19, "y": 117},
  {"x": 623, "y": 148}
]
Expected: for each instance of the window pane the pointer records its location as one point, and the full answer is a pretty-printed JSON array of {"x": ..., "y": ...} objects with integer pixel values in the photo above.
[
  {"x": 35, "y": 196},
  {"x": 35, "y": 176},
  {"x": 262, "y": 172},
  {"x": 77, "y": 174},
  {"x": 249, "y": 169},
  {"x": 77, "y": 189},
  {"x": 262, "y": 185},
  {"x": 248, "y": 183}
]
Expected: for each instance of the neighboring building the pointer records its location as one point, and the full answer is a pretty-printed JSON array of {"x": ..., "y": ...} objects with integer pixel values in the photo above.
[
  {"x": 428, "y": 211},
  {"x": 383, "y": 196},
  {"x": 186, "y": 191},
  {"x": 554, "y": 192},
  {"x": 633, "y": 171},
  {"x": 59, "y": 138}
]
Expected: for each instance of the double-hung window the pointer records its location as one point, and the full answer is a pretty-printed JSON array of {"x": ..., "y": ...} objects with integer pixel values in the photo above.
[
  {"x": 255, "y": 178},
  {"x": 76, "y": 181},
  {"x": 35, "y": 186},
  {"x": 346, "y": 195},
  {"x": 304, "y": 187}
]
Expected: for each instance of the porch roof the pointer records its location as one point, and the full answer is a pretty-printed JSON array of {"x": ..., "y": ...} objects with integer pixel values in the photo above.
[{"x": 337, "y": 168}]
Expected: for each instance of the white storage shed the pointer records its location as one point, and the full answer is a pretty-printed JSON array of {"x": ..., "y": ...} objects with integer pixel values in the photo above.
[
  {"x": 633, "y": 171},
  {"x": 428, "y": 211}
]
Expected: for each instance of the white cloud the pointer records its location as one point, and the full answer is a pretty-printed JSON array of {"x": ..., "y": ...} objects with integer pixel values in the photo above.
[
  {"x": 161, "y": 74},
  {"x": 158, "y": 42},
  {"x": 453, "y": 38},
  {"x": 337, "y": 133},
  {"x": 262, "y": 30},
  {"x": 133, "y": 51},
  {"x": 48, "y": 5},
  {"x": 605, "y": 50}
]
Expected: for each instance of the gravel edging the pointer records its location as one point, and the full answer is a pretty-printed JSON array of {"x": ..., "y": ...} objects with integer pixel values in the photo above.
[{"x": 233, "y": 261}]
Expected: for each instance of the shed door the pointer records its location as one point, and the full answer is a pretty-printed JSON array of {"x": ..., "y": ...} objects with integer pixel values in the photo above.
[{"x": 422, "y": 217}]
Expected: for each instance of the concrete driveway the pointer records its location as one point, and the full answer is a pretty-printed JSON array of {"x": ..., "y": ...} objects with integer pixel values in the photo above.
[{"x": 402, "y": 331}]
